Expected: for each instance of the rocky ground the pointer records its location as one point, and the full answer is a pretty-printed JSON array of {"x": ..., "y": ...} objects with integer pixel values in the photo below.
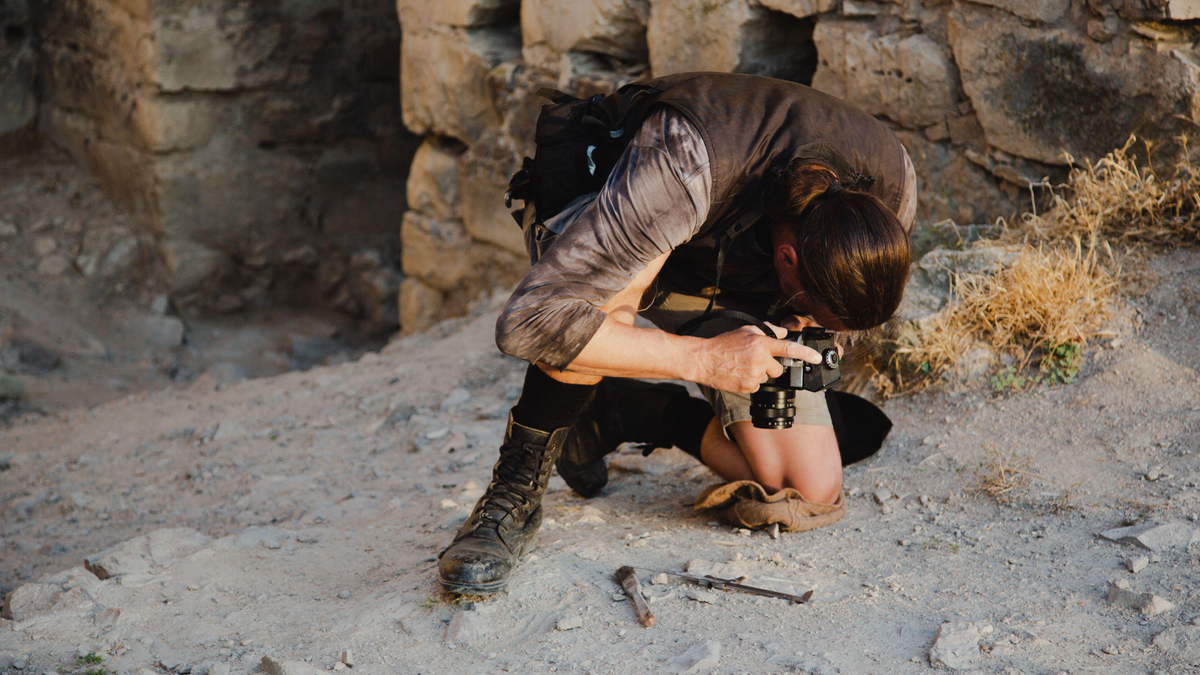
[{"x": 275, "y": 524}]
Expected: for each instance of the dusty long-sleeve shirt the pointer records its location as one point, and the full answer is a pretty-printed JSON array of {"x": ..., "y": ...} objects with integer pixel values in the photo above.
[{"x": 656, "y": 199}]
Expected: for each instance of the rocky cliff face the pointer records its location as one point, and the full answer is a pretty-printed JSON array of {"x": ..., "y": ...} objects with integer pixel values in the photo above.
[{"x": 259, "y": 145}]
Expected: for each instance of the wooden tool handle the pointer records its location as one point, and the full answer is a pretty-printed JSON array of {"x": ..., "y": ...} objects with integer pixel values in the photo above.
[{"x": 634, "y": 591}]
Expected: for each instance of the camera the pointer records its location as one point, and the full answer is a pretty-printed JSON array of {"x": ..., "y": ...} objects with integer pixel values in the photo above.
[{"x": 773, "y": 406}]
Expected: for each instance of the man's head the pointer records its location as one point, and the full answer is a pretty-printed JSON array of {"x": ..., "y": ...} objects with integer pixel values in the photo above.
[{"x": 840, "y": 254}]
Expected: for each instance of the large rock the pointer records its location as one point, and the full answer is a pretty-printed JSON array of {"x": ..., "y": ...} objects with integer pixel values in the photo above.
[
  {"x": 613, "y": 27},
  {"x": 732, "y": 36},
  {"x": 441, "y": 254},
  {"x": 1039, "y": 91},
  {"x": 420, "y": 305},
  {"x": 906, "y": 78},
  {"x": 433, "y": 179},
  {"x": 443, "y": 81},
  {"x": 486, "y": 168}
]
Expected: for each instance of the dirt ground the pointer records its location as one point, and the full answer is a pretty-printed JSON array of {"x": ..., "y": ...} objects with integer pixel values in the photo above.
[{"x": 321, "y": 499}]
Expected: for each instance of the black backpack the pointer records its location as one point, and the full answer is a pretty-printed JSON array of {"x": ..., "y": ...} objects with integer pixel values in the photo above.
[{"x": 578, "y": 143}]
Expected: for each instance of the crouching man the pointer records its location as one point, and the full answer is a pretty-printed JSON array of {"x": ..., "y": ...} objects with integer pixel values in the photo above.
[{"x": 666, "y": 199}]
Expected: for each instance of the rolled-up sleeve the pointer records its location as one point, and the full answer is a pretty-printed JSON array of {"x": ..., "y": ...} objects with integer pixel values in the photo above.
[{"x": 656, "y": 198}]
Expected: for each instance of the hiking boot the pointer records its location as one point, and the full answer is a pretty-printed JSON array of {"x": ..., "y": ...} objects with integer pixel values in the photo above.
[
  {"x": 506, "y": 519},
  {"x": 621, "y": 411}
]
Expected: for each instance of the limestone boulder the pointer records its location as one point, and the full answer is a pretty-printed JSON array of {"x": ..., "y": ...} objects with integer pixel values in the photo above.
[
  {"x": 486, "y": 168},
  {"x": 420, "y": 306},
  {"x": 439, "y": 253},
  {"x": 433, "y": 179},
  {"x": 613, "y": 27},
  {"x": 443, "y": 79},
  {"x": 1040, "y": 91},
  {"x": 905, "y": 78},
  {"x": 734, "y": 36},
  {"x": 221, "y": 48}
]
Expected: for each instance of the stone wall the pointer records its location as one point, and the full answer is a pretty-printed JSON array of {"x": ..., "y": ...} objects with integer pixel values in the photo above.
[
  {"x": 258, "y": 144},
  {"x": 987, "y": 96}
]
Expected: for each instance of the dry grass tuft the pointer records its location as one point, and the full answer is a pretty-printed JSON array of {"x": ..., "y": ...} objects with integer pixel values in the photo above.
[
  {"x": 1047, "y": 297},
  {"x": 1057, "y": 294},
  {"x": 1000, "y": 476},
  {"x": 1116, "y": 198}
]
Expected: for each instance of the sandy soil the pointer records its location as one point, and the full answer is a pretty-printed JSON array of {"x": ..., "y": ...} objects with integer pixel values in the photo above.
[{"x": 328, "y": 495}]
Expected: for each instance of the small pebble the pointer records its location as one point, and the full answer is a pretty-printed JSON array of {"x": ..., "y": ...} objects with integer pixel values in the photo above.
[
  {"x": 702, "y": 596},
  {"x": 1111, "y": 650},
  {"x": 660, "y": 579},
  {"x": 348, "y": 657},
  {"x": 345, "y": 595},
  {"x": 903, "y": 542},
  {"x": 1137, "y": 564},
  {"x": 1152, "y": 475}
]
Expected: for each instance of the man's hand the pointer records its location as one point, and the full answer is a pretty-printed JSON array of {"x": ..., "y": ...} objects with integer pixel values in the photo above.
[
  {"x": 743, "y": 359},
  {"x": 797, "y": 322}
]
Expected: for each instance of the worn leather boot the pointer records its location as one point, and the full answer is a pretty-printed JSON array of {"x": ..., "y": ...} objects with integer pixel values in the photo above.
[
  {"x": 621, "y": 411},
  {"x": 506, "y": 519}
]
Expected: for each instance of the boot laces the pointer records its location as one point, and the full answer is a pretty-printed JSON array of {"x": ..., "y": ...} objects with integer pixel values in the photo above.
[{"x": 515, "y": 482}]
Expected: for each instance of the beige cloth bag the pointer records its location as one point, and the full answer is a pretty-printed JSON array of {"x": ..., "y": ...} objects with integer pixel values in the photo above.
[{"x": 746, "y": 504}]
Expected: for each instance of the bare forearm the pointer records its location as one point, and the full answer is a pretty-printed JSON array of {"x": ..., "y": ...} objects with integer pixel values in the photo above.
[{"x": 621, "y": 350}]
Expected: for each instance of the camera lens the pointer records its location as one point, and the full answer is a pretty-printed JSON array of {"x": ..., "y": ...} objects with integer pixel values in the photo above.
[
  {"x": 831, "y": 358},
  {"x": 773, "y": 407}
]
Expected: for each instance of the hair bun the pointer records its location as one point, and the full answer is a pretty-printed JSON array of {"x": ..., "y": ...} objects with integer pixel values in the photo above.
[{"x": 834, "y": 188}]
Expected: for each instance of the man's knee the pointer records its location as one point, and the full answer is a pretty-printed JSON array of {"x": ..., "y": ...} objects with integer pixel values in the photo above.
[{"x": 804, "y": 458}]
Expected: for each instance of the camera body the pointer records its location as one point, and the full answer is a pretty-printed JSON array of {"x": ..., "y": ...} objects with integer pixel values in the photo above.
[{"x": 773, "y": 406}]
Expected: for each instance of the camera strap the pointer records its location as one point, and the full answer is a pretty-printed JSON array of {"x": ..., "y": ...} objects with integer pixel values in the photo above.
[{"x": 689, "y": 327}]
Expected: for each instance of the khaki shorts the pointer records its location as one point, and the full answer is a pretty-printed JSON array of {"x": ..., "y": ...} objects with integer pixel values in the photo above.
[{"x": 670, "y": 308}]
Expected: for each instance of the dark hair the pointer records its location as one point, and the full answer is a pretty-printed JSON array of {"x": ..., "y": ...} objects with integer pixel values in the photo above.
[{"x": 853, "y": 252}]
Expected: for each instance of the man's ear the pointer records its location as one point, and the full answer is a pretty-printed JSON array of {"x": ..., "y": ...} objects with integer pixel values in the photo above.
[{"x": 786, "y": 258}]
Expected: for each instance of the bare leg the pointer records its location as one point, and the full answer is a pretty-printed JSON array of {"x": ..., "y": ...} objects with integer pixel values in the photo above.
[{"x": 804, "y": 457}]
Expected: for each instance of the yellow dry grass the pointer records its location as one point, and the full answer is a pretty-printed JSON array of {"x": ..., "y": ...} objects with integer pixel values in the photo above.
[
  {"x": 1060, "y": 288},
  {"x": 1049, "y": 296},
  {"x": 999, "y": 476},
  {"x": 1116, "y": 198}
]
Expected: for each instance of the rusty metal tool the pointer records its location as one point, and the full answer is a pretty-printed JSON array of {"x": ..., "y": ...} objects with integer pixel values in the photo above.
[
  {"x": 737, "y": 585},
  {"x": 627, "y": 579}
]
